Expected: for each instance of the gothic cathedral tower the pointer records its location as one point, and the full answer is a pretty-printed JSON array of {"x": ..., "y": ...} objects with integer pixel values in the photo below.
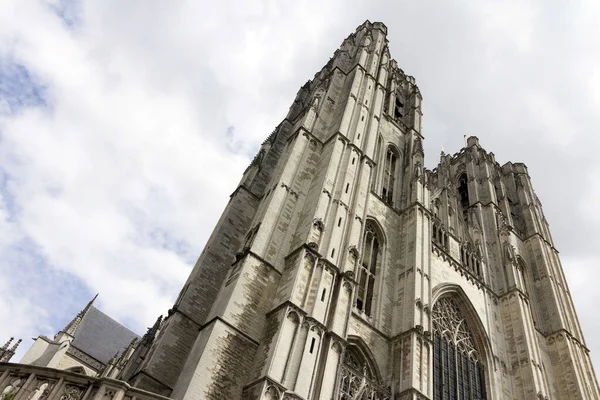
[{"x": 343, "y": 269}]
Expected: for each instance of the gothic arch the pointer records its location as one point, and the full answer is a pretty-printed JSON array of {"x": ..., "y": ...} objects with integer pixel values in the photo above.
[
  {"x": 360, "y": 347},
  {"x": 380, "y": 230},
  {"x": 471, "y": 315},
  {"x": 475, "y": 325},
  {"x": 359, "y": 377},
  {"x": 394, "y": 147}
]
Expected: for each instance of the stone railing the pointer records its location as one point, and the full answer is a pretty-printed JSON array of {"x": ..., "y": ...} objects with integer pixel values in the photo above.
[{"x": 27, "y": 382}]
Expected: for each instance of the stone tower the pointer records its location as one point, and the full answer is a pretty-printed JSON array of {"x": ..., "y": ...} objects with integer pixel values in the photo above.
[{"x": 343, "y": 269}]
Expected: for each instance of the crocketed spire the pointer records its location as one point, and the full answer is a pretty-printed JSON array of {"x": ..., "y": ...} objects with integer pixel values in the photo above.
[
  {"x": 72, "y": 326},
  {"x": 6, "y": 353}
]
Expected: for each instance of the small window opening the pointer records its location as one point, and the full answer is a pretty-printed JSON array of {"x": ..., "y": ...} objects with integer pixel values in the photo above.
[
  {"x": 323, "y": 294},
  {"x": 347, "y": 187},
  {"x": 358, "y": 136},
  {"x": 332, "y": 252},
  {"x": 366, "y": 102},
  {"x": 339, "y": 222},
  {"x": 312, "y": 345},
  {"x": 363, "y": 118},
  {"x": 353, "y": 159}
]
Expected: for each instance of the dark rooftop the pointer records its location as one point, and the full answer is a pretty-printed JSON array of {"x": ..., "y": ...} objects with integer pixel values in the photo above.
[{"x": 100, "y": 336}]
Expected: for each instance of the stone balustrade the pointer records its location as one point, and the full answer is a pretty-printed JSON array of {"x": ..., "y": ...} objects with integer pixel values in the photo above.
[{"x": 27, "y": 382}]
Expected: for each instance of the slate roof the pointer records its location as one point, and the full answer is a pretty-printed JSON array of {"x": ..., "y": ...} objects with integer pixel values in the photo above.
[{"x": 100, "y": 336}]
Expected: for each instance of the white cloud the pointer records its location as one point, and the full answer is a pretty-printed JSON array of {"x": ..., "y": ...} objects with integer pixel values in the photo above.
[{"x": 155, "y": 109}]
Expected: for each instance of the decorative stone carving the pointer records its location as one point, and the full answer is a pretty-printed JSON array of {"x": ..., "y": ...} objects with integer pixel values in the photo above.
[
  {"x": 272, "y": 393},
  {"x": 354, "y": 252},
  {"x": 71, "y": 392},
  {"x": 12, "y": 389},
  {"x": 42, "y": 391}
]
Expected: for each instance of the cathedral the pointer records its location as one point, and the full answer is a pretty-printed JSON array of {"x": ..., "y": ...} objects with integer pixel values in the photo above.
[{"x": 343, "y": 269}]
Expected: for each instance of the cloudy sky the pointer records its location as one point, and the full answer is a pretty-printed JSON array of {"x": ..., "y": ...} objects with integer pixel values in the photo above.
[{"x": 125, "y": 125}]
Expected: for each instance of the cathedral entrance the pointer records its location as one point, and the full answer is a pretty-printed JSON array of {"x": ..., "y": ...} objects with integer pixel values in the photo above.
[{"x": 457, "y": 370}]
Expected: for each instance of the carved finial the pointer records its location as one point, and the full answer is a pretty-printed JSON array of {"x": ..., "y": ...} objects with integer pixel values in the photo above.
[
  {"x": 16, "y": 345},
  {"x": 5, "y": 347},
  {"x": 6, "y": 353}
]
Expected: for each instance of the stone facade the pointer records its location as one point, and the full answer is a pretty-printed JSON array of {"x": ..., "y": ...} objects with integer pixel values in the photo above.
[{"x": 343, "y": 269}]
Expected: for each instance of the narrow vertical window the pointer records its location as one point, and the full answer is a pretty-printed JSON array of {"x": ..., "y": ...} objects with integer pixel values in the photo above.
[
  {"x": 332, "y": 252},
  {"x": 463, "y": 194},
  {"x": 340, "y": 221},
  {"x": 399, "y": 107},
  {"x": 347, "y": 187},
  {"x": 312, "y": 345},
  {"x": 323, "y": 294},
  {"x": 368, "y": 270},
  {"x": 389, "y": 176}
]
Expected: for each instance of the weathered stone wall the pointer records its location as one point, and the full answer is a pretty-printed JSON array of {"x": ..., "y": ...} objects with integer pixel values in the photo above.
[{"x": 270, "y": 310}]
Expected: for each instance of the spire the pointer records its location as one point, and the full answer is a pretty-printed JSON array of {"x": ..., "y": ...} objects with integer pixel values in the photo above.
[
  {"x": 6, "y": 353},
  {"x": 5, "y": 347},
  {"x": 72, "y": 326},
  {"x": 16, "y": 345}
]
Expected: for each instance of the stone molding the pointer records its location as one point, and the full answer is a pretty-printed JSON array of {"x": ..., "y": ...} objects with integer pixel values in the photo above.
[{"x": 24, "y": 381}]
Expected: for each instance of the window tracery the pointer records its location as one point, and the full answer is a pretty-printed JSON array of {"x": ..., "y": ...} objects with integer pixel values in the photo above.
[
  {"x": 357, "y": 379},
  {"x": 457, "y": 370}
]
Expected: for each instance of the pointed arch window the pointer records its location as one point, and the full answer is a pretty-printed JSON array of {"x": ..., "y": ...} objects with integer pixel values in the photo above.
[
  {"x": 458, "y": 373},
  {"x": 368, "y": 269},
  {"x": 389, "y": 175},
  {"x": 358, "y": 380}
]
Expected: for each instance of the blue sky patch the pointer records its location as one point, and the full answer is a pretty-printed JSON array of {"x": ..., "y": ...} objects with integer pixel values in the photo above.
[{"x": 18, "y": 88}]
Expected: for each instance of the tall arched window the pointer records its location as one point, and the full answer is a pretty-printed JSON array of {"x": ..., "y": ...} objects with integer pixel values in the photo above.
[
  {"x": 389, "y": 175},
  {"x": 457, "y": 370},
  {"x": 463, "y": 193},
  {"x": 358, "y": 381},
  {"x": 368, "y": 268}
]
